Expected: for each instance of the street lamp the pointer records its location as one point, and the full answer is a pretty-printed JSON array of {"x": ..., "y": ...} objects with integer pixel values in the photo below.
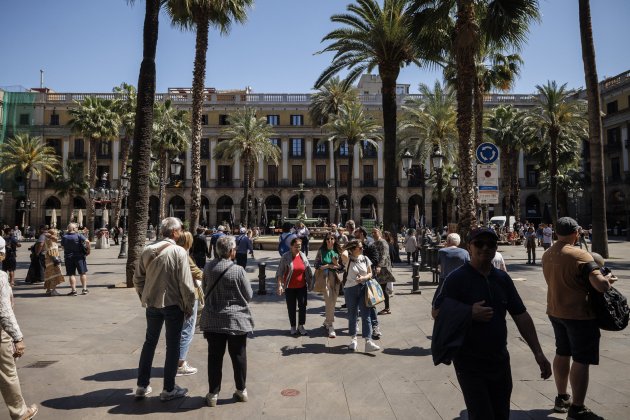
[
  {"x": 438, "y": 160},
  {"x": 176, "y": 169},
  {"x": 26, "y": 207},
  {"x": 103, "y": 196},
  {"x": 124, "y": 190},
  {"x": 407, "y": 162}
]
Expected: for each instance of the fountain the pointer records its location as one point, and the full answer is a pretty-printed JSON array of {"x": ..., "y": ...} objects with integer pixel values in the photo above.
[{"x": 301, "y": 216}]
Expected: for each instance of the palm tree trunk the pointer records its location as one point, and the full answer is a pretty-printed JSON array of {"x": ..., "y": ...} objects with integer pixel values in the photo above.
[
  {"x": 139, "y": 211},
  {"x": 92, "y": 179},
  {"x": 466, "y": 35},
  {"x": 516, "y": 185},
  {"x": 246, "y": 175},
  {"x": 349, "y": 186},
  {"x": 162, "y": 187},
  {"x": 336, "y": 181},
  {"x": 388, "y": 92},
  {"x": 553, "y": 173},
  {"x": 598, "y": 188},
  {"x": 478, "y": 109},
  {"x": 125, "y": 160},
  {"x": 199, "y": 77}
]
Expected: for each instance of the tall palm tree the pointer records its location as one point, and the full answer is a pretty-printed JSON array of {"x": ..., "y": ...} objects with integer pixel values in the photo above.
[
  {"x": 352, "y": 125},
  {"x": 28, "y": 155},
  {"x": 200, "y": 15},
  {"x": 143, "y": 130},
  {"x": 95, "y": 119},
  {"x": 558, "y": 115},
  {"x": 71, "y": 183},
  {"x": 598, "y": 188},
  {"x": 431, "y": 124},
  {"x": 125, "y": 107},
  {"x": 510, "y": 130},
  {"x": 326, "y": 103},
  {"x": 248, "y": 140},
  {"x": 171, "y": 131},
  {"x": 376, "y": 37}
]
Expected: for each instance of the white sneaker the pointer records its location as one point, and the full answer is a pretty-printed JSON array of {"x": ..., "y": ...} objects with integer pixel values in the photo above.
[
  {"x": 142, "y": 392},
  {"x": 353, "y": 344},
  {"x": 177, "y": 392},
  {"x": 211, "y": 399},
  {"x": 331, "y": 332},
  {"x": 185, "y": 370},
  {"x": 370, "y": 346},
  {"x": 302, "y": 330},
  {"x": 241, "y": 396}
]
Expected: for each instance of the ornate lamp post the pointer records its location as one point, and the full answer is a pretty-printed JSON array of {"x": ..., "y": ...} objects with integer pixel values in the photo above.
[
  {"x": 26, "y": 207},
  {"x": 176, "y": 169},
  {"x": 455, "y": 185},
  {"x": 407, "y": 163},
  {"x": 438, "y": 160},
  {"x": 103, "y": 196},
  {"x": 124, "y": 190}
]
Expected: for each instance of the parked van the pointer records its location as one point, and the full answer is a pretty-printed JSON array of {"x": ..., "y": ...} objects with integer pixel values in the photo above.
[{"x": 500, "y": 221}]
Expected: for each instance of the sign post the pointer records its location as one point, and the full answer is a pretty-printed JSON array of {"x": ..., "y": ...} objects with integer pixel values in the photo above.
[{"x": 487, "y": 176}]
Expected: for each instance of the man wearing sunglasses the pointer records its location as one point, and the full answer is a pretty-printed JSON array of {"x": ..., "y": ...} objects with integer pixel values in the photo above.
[{"x": 482, "y": 363}]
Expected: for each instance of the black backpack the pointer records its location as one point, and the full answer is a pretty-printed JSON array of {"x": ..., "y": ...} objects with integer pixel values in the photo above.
[{"x": 610, "y": 308}]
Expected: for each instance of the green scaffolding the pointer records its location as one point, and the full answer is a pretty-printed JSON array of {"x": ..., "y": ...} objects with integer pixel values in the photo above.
[{"x": 13, "y": 104}]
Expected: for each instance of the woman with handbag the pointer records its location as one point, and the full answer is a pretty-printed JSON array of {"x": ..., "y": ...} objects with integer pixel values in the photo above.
[
  {"x": 327, "y": 281},
  {"x": 185, "y": 240},
  {"x": 384, "y": 270},
  {"x": 358, "y": 271},
  {"x": 294, "y": 276}
]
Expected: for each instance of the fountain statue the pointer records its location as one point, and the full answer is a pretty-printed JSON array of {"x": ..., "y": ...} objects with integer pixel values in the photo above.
[{"x": 301, "y": 210}]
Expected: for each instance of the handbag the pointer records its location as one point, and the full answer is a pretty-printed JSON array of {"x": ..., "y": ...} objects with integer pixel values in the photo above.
[
  {"x": 385, "y": 276},
  {"x": 217, "y": 282},
  {"x": 611, "y": 307},
  {"x": 373, "y": 293},
  {"x": 199, "y": 295},
  {"x": 319, "y": 285}
]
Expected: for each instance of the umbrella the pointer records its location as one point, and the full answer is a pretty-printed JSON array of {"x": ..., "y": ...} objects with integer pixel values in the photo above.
[
  {"x": 416, "y": 216},
  {"x": 105, "y": 217},
  {"x": 422, "y": 221},
  {"x": 80, "y": 218},
  {"x": 203, "y": 214},
  {"x": 263, "y": 216},
  {"x": 171, "y": 212},
  {"x": 53, "y": 218},
  {"x": 232, "y": 217}
]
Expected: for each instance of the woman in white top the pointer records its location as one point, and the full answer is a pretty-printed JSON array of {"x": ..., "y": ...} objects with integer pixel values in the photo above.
[
  {"x": 359, "y": 271},
  {"x": 411, "y": 246}
]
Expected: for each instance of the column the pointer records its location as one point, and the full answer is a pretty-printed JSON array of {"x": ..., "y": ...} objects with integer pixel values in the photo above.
[
  {"x": 521, "y": 165},
  {"x": 65, "y": 149},
  {"x": 260, "y": 178},
  {"x": 331, "y": 162},
  {"x": 188, "y": 164},
  {"x": 624, "y": 143},
  {"x": 213, "y": 163},
  {"x": 285, "y": 160},
  {"x": 115, "y": 155},
  {"x": 236, "y": 174},
  {"x": 309, "y": 160},
  {"x": 380, "y": 166},
  {"x": 356, "y": 173}
]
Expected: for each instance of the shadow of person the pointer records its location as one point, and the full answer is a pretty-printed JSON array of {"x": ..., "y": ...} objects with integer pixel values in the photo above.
[
  {"x": 536, "y": 414},
  {"x": 122, "y": 375},
  {"x": 412, "y": 351}
]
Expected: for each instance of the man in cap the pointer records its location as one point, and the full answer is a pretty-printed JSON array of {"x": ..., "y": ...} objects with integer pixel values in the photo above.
[
  {"x": 243, "y": 246},
  {"x": 567, "y": 270},
  {"x": 213, "y": 240},
  {"x": 482, "y": 363}
]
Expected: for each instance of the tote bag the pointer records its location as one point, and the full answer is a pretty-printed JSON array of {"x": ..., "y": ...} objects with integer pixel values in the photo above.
[{"x": 373, "y": 293}]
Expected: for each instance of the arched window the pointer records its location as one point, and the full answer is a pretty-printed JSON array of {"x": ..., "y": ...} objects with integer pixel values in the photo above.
[
  {"x": 368, "y": 208},
  {"x": 225, "y": 210},
  {"x": 415, "y": 211},
  {"x": 177, "y": 207},
  {"x": 273, "y": 207},
  {"x": 293, "y": 206},
  {"x": 321, "y": 207}
]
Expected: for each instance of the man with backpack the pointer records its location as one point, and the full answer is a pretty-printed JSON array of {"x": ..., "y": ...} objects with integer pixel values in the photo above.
[
  {"x": 568, "y": 270},
  {"x": 243, "y": 246},
  {"x": 284, "y": 242}
]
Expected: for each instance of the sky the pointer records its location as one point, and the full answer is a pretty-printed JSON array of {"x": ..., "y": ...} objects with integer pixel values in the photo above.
[{"x": 94, "y": 45}]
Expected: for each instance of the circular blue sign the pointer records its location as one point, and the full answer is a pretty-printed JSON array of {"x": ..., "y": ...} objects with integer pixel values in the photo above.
[{"x": 487, "y": 153}]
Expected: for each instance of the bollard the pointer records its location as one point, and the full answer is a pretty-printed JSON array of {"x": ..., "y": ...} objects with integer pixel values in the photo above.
[
  {"x": 416, "y": 278},
  {"x": 262, "y": 287},
  {"x": 423, "y": 256}
]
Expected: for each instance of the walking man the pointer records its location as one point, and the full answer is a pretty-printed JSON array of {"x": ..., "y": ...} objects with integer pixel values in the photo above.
[
  {"x": 165, "y": 286},
  {"x": 567, "y": 269},
  {"x": 75, "y": 247},
  {"x": 199, "y": 248},
  {"x": 243, "y": 246},
  {"x": 547, "y": 239},
  {"x": 482, "y": 363}
]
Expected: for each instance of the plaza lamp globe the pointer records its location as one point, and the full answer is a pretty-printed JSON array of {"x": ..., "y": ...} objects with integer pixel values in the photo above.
[
  {"x": 438, "y": 159},
  {"x": 176, "y": 167},
  {"x": 454, "y": 181},
  {"x": 407, "y": 160}
]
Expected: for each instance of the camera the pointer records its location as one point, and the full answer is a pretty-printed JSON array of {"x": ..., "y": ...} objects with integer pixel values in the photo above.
[{"x": 605, "y": 271}]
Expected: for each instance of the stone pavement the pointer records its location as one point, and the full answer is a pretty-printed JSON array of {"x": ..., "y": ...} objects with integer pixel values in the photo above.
[{"x": 82, "y": 354}]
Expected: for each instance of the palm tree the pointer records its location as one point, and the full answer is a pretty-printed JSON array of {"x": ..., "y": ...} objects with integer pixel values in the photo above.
[
  {"x": 509, "y": 129},
  {"x": 171, "y": 131},
  {"x": 598, "y": 188},
  {"x": 143, "y": 130},
  {"x": 558, "y": 115},
  {"x": 326, "y": 103},
  {"x": 28, "y": 155},
  {"x": 71, "y": 183},
  {"x": 352, "y": 125},
  {"x": 125, "y": 107},
  {"x": 376, "y": 37},
  {"x": 200, "y": 15},
  {"x": 95, "y": 119},
  {"x": 248, "y": 140}
]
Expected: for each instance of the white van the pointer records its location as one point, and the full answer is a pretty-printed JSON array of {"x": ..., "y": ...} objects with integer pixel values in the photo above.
[{"x": 500, "y": 221}]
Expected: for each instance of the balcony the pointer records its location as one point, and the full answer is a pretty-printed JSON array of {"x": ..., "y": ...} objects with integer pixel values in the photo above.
[
  {"x": 224, "y": 183},
  {"x": 369, "y": 183}
]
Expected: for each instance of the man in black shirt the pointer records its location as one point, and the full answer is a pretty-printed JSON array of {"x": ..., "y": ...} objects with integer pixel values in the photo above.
[
  {"x": 482, "y": 364},
  {"x": 199, "y": 248}
]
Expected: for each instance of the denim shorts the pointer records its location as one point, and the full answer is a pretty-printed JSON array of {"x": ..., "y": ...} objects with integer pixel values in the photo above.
[
  {"x": 74, "y": 265},
  {"x": 578, "y": 339}
]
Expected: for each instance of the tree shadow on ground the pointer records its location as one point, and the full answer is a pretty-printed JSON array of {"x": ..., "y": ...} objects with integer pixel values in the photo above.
[
  {"x": 122, "y": 375},
  {"x": 537, "y": 414},
  {"x": 122, "y": 402},
  {"x": 412, "y": 351}
]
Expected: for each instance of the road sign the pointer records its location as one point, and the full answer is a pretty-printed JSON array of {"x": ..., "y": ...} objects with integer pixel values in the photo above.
[
  {"x": 487, "y": 153},
  {"x": 488, "y": 196},
  {"x": 487, "y": 175}
]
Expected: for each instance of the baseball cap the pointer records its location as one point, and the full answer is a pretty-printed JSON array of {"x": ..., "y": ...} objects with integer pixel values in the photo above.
[
  {"x": 566, "y": 226},
  {"x": 221, "y": 228},
  {"x": 475, "y": 233},
  {"x": 242, "y": 230}
]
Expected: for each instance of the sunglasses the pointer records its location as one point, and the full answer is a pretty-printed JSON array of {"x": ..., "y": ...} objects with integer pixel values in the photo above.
[
  {"x": 487, "y": 244},
  {"x": 330, "y": 239}
]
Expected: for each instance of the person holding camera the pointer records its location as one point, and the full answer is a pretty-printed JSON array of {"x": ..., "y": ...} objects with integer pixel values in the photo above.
[{"x": 567, "y": 269}]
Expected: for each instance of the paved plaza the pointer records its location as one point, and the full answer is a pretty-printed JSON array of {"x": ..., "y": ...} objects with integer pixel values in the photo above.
[{"x": 83, "y": 351}]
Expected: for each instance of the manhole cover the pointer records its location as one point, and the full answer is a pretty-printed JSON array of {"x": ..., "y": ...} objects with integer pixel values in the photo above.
[
  {"x": 41, "y": 364},
  {"x": 289, "y": 392}
]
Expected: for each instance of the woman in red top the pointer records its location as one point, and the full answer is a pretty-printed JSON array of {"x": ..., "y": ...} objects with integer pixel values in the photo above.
[{"x": 294, "y": 279}]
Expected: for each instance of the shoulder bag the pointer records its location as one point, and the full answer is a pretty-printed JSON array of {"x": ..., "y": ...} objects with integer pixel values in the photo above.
[
  {"x": 610, "y": 308},
  {"x": 217, "y": 282}
]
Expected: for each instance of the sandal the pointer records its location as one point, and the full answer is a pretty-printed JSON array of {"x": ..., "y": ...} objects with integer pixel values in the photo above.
[{"x": 385, "y": 312}]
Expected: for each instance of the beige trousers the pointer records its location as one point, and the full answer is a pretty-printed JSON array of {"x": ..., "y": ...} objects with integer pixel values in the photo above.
[
  {"x": 9, "y": 381},
  {"x": 330, "y": 298}
]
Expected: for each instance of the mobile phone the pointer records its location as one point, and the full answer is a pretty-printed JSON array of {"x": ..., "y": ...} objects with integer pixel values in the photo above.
[{"x": 605, "y": 271}]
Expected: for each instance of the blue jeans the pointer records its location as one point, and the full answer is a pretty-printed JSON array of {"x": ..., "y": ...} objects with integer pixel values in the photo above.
[
  {"x": 173, "y": 318},
  {"x": 188, "y": 332},
  {"x": 355, "y": 300}
]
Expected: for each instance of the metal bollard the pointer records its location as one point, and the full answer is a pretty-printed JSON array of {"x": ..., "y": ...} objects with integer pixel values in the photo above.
[
  {"x": 416, "y": 278},
  {"x": 262, "y": 287},
  {"x": 423, "y": 256}
]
